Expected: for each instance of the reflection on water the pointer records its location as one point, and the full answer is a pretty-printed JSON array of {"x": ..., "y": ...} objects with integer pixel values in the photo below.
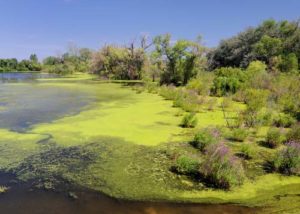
[
  {"x": 28, "y": 76},
  {"x": 28, "y": 103},
  {"x": 22, "y": 201}
]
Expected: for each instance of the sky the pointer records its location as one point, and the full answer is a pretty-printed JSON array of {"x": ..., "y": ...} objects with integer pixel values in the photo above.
[{"x": 48, "y": 27}]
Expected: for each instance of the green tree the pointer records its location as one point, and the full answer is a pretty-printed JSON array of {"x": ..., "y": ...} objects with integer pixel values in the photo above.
[
  {"x": 181, "y": 59},
  {"x": 289, "y": 63},
  {"x": 228, "y": 81},
  {"x": 33, "y": 58}
]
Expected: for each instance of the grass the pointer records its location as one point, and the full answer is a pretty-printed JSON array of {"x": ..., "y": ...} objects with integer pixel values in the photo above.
[{"x": 123, "y": 143}]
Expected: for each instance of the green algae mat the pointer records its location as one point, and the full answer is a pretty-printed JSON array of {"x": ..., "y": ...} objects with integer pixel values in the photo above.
[{"x": 109, "y": 138}]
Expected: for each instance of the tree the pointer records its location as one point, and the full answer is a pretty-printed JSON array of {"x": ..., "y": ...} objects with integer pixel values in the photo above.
[
  {"x": 268, "y": 48},
  {"x": 289, "y": 63},
  {"x": 180, "y": 58},
  {"x": 266, "y": 42},
  {"x": 33, "y": 58},
  {"x": 257, "y": 76},
  {"x": 228, "y": 81},
  {"x": 119, "y": 62}
]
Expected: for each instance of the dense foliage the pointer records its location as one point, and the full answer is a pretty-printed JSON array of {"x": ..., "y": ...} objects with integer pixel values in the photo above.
[
  {"x": 32, "y": 64},
  {"x": 287, "y": 160},
  {"x": 75, "y": 60},
  {"x": 275, "y": 43},
  {"x": 220, "y": 168}
]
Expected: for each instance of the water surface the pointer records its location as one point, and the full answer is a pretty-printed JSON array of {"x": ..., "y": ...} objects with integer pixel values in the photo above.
[{"x": 25, "y": 102}]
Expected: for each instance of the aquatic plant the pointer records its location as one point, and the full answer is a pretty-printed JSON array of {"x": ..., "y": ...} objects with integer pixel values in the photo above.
[
  {"x": 238, "y": 134},
  {"x": 273, "y": 138},
  {"x": 287, "y": 160},
  {"x": 284, "y": 120},
  {"x": 168, "y": 92},
  {"x": 186, "y": 165},
  {"x": 221, "y": 169},
  {"x": 246, "y": 151},
  {"x": 202, "y": 139},
  {"x": 189, "y": 121},
  {"x": 294, "y": 134}
]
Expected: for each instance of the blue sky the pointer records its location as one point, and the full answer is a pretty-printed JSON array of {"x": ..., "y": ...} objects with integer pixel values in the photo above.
[{"x": 46, "y": 27}]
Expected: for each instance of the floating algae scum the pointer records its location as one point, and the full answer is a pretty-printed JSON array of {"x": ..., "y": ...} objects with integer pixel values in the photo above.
[{"x": 105, "y": 137}]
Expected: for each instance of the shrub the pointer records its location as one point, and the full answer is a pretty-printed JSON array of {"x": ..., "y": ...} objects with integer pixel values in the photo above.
[
  {"x": 168, "y": 92},
  {"x": 220, "y": 168},
  {"x": 287, "y": 161},
  {"x": 266, "y": 118},
  {"x": 202, "y": 84},
  {"x": 189, "y": 121},
  {"x": 239, "y": 134},
  {"x": 151, "y": 87},
  {"x": 284, "y": 120},
  {"x": 294, "y": 134},
  {"x": 273, "y": 138},
  {"x": 212, "y": 103},
  {"x": 203, "y": 139},
  {"x": 228, "y": 81},
  {"x": 186, "y": 165},
  {"x": 187, "y": 100},
  {"x": 255, "y": 99},
  {"x": 246, "y": 151}
]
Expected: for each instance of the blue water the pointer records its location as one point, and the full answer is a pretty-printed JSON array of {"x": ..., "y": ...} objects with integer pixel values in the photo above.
[{"x": 22, "y": 76}]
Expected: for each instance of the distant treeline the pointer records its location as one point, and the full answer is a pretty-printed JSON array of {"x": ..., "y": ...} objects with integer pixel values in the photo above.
[
  {"x": 13, "y": 64},
  {"x": 277, "y": 44}
]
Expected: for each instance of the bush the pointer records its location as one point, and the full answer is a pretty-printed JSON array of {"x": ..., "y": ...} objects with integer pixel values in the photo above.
[
  {"x": 220, "y": 168},
  {"x": 287, "y": 161},
  {"x": 187, "y": 100},
  {"x": 246, "y": 151},
  {"x": 228, "y": 81},
  {"x": 186, "y": 165},
  {"x": 203, "y": 139},
  {"x": 202, "y": 84},
  {"x": 189, "y": 121},
  {"x": 273, "y": 138},
  {"x": 266, "y": 118},
  {"x": 294, "y": 134},
  {"x": 239, "y": 134},
  {"x": 284, "y": 120},
  {"x": 168, "y": 92}
]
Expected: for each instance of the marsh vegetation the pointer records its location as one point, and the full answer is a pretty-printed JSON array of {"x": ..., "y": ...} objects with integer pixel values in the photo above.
[{"x": 162, "y": 120}]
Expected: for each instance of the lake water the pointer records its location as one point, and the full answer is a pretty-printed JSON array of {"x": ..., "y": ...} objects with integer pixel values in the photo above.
[{"x": 24, "y": 103}]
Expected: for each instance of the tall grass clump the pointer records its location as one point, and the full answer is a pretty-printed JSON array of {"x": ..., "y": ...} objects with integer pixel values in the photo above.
[
  {"x": 202, "y": 139},
  {"x": 287, "y": 160},
  {"x": 186, "y": 165},
  {"x": 168, "y": 92},
  {"x": 220, "y": 168},
  {"x": 187, "y": 100},
  {"x": 284, "y": 120},
  {"x": 238, "y": 134},
  {"x": 273, "y": 138},
  {"x": 189, "y": 121},
  {"x": 294, "y": 134},
  {"x": 246, "y": 151}
]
